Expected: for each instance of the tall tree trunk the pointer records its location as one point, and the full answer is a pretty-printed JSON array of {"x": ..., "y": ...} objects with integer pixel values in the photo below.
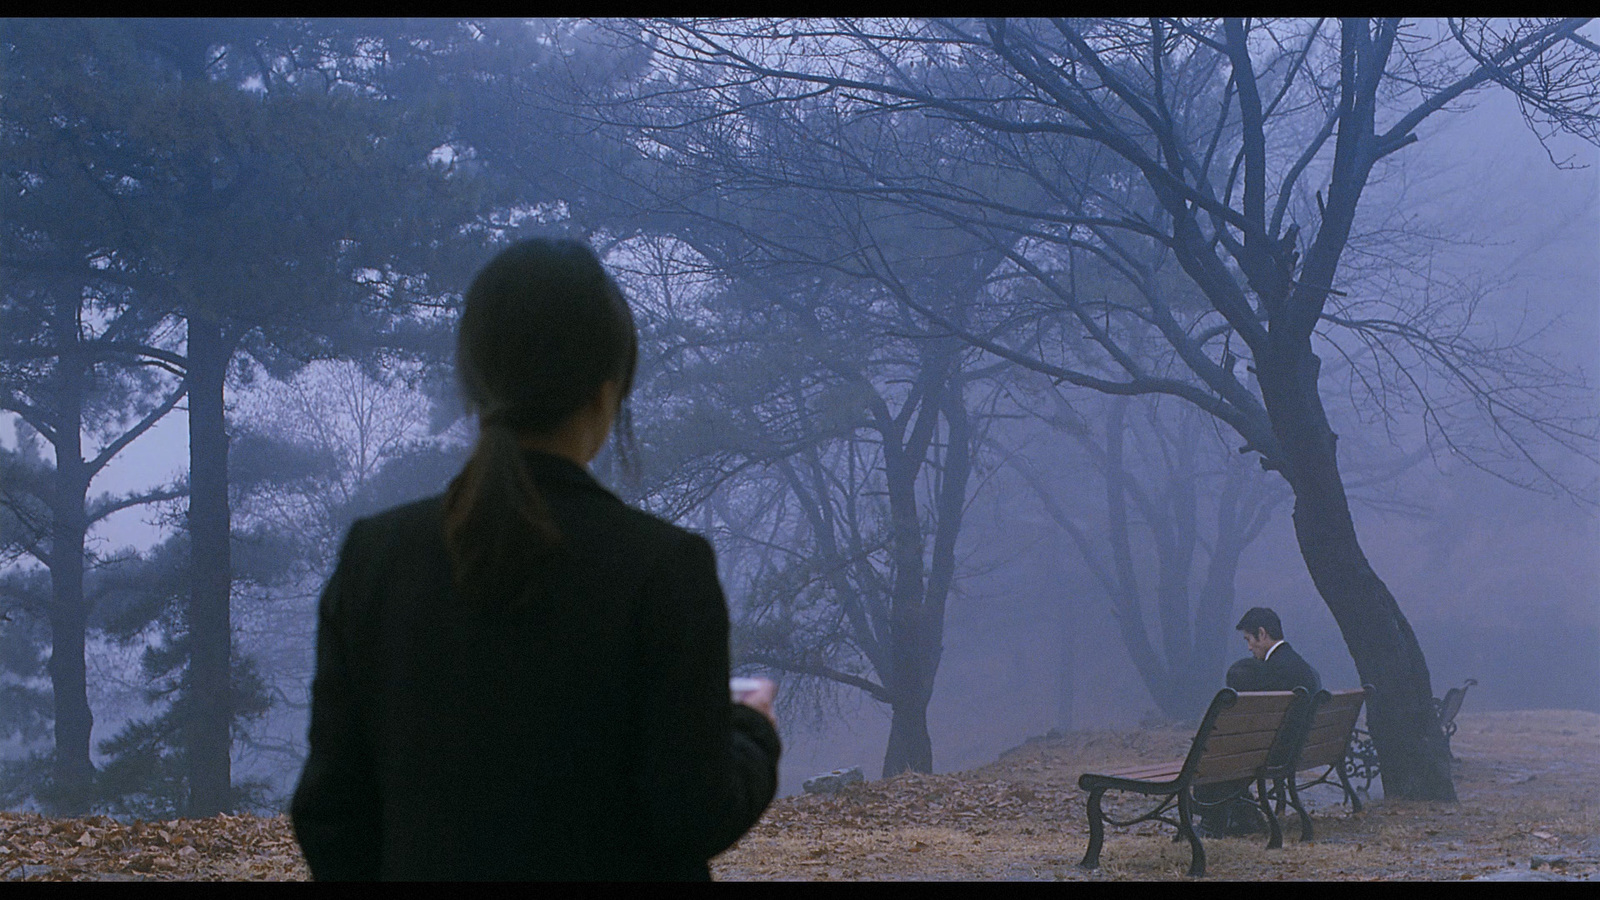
[
  {"x": 1414, "y": 756},
  {"x": 920, "y": 591},
  {"x": 913, "y": 660},
  {"x": 1213, "y": 619},
  {"x": 1156, "y": 673},
  {"x": 910, "y": 747},
  {"x": 210, "y": 695},
  {"x": 1238, "y": 523},
  {"x": 1067, "y": 674},
  {"x": 1176, "y": 538},
  {"x": 74, "y": 721}
]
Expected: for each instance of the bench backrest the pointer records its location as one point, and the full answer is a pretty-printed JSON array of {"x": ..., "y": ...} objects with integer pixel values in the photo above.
[
  {"x": 1332, "y": 721},
  {"x": 1451, "y": 704},
  {"x": 1238, "y": 733}
]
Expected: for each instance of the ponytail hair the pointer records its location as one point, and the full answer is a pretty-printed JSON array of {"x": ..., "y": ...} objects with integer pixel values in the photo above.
[{"x": 543, "y": 328}]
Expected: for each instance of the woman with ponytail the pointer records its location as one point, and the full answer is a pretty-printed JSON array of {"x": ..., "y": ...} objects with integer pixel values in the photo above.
[{"x": 523, "y": 678}]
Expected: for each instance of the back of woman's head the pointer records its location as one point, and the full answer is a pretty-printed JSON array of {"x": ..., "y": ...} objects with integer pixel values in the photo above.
[{"x": 544, "y": 327}]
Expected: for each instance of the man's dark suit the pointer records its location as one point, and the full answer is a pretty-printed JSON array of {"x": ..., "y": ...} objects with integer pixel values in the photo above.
[
  {"x": 589, "y": 735},
  {"x": 1282, "y": 670}
]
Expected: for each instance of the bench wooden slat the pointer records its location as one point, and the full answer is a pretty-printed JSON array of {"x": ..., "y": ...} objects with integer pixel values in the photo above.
[
  {"x": 1136, "y": 773},
  {"x": 1230, "y": 767},
  {"x": 1268, "y": 718},
  {"x": 1338, "y": 733},
  {"x": 1316, "y": 745},
  {"x": 1343, "y": 716},
  {"x": 1341, "y": 711},
  {"x": 1329, "y": 734},
  {"x": 1323, "y": 745},
  {"x": 1236, "y": 737},
  {"x": 1324, "y": 754},
  {"x": 1327, "y": 729},
  {"x": 1229, "y": 744}
]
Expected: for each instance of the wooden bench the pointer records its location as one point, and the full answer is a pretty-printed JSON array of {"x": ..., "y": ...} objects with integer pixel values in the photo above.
[
  {"x": 1448, "y": 706},
  {"x": 1362, "y": 759},
  {"x": 1321, "y": 744},
  {"x": 1237, "y": 738}
]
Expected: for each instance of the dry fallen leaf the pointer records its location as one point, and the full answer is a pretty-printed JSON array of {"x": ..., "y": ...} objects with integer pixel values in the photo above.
[{"x": 1026, "y": 806}]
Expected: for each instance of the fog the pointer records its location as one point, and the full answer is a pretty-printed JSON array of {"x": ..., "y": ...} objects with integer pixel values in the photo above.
[{"x": 797, "y": 327}]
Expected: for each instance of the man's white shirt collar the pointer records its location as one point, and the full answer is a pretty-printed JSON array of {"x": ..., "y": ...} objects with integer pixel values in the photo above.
[{"x": 1270, "y": 649}]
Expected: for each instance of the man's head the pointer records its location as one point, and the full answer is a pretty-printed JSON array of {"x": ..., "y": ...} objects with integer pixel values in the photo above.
[{"x": 1262, "y": 629}]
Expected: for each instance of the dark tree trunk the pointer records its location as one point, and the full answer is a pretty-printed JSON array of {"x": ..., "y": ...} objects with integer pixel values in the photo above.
[
  {"x": 1168, "y": 692},
  {"x": 1213, "y": 617},
  {"x": 1240, "y": 519},
  {"x": 74, "y": 721},
  {"x": 916, "y": 652},
  {"x": 210, "y": 696},
  {"x": 1126, "y": 600},
  {"x": 917, "y": 605},
  {"x": 1411, "y": 747},
  {"x": 1067, "y": 680},
  {"x": 910, "y": 748},
  {"x": 915, "y": 648},
  {"x": 912, "y": 662},
  {"x": 1175, "y": 547}
]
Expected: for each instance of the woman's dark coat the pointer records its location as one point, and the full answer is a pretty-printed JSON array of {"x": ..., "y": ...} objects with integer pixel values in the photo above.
[{"x": 588, "y": 735}]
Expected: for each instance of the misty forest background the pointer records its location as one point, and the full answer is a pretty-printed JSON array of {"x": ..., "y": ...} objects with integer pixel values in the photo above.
[{"x": 1005, "y": 363}]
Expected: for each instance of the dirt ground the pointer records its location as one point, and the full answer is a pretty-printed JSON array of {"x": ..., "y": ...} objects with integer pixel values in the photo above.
[{"x": 1528, "y": 781}]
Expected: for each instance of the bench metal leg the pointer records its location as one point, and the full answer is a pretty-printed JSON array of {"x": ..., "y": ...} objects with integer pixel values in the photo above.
[
  {"x": 1275, "y": 839},
  {"x": 1197, "y": 862},
  {"x": 1097, "y": 830},
  {"x": 1349, "y": 792},
  {"x": 1299, "y": 807}
]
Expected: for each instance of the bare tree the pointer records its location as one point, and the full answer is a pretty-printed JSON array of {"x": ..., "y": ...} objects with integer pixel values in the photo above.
[
  {"x": 1164, "y": 542},
  {"x": 1237, "y": 149},
  {"x": 827, "y": 439},
  {"x": 809, "y": 378}
]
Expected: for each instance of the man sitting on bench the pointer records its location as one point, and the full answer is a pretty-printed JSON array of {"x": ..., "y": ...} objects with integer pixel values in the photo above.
[{"x": 1272, "y": 665}]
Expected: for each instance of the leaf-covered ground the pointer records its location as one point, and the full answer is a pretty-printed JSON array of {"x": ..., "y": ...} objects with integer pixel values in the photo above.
[
  {"x": 221, "y": 848},
  {"x": 1529, "y": 785}
]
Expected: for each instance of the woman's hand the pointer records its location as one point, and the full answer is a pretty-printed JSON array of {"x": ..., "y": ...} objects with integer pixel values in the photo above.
[{"x": 758, "y": 694}]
